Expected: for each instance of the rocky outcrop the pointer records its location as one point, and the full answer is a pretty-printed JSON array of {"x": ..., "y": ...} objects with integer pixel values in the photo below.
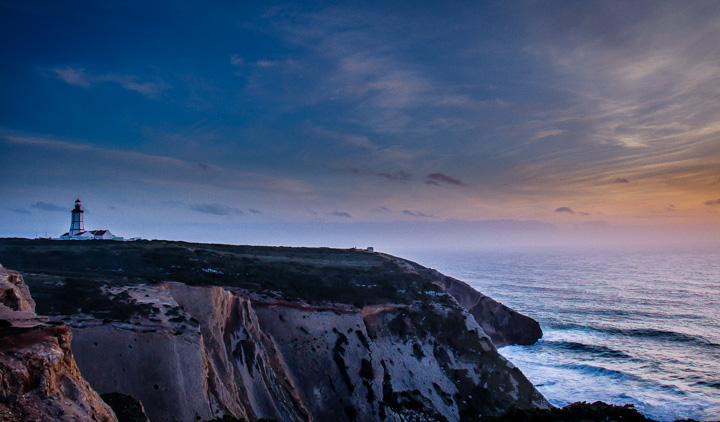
[
  {"x": 39, "y": 380},
  {"x": 502, "y": 324},
  {"x": 14, "y": 294}
]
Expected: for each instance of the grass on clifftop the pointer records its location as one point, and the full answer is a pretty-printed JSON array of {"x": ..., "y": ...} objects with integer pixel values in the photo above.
[{"x": 347, "y": 276}]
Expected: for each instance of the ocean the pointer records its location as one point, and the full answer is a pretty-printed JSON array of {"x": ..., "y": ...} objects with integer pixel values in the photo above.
[{"x": 629, "y": 325}]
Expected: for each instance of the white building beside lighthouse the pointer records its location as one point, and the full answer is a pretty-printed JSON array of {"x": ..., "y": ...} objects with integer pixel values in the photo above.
[{"x": 77, "y": 228}]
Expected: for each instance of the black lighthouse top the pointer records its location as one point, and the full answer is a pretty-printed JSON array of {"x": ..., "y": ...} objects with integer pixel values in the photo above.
[{"x": 77, "y": 206}]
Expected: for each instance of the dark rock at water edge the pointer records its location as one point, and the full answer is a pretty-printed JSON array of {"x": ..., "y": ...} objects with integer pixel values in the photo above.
[
  {"x": 576, "y": 412},
  {"x": 126, "y": 408}
]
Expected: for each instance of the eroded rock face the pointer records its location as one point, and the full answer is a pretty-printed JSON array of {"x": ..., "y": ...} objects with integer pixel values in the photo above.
[
  {"x": 209, "y": 351},
  {"x": 39, "y": 380},
  {"x": 419, "y": 362}
]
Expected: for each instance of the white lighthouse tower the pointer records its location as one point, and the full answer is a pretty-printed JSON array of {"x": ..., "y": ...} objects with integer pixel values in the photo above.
[{"x": 76, "y": 224}]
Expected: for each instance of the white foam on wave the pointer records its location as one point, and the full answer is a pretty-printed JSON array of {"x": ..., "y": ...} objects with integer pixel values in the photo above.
[{"x": 563, "y": 380}]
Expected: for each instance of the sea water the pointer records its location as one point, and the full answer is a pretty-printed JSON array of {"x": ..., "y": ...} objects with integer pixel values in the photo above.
[{"x": 632, "y": 325}]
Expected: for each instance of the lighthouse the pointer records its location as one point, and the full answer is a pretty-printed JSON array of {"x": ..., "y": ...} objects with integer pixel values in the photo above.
[
  {"x": 76, "y": 224},
  {"x": 77, "y": 228}
]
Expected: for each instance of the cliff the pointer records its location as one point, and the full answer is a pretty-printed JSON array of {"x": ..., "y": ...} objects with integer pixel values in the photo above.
[
  {"x": 196, "y": 331},
  {"x": 39, "y": 379}
]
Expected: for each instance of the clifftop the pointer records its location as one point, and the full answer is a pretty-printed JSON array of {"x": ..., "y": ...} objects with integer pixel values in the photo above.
[{"x": 337, "y": 278}]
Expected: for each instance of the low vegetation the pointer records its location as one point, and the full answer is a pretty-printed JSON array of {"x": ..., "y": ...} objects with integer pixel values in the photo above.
[{"x": 348, "y": 276}]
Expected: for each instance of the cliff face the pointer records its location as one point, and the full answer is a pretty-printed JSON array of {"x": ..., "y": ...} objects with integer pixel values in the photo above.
[
  {"x": 39, "y": 379},
  {"x": 198, "y": 331},
  {"x": 211, "y": 351}
]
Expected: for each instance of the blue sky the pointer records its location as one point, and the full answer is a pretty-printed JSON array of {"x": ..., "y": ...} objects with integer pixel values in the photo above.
[{"x": 261, "y": 122}]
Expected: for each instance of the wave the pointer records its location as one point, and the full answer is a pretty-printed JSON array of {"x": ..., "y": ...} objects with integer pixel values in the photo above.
[
  {"x": 605, "y": 372},
  {"x": 666, "y": 335},
  {"x": 710, "y": 384},
  {"x": 592, "y": 349},
  {"x": 645, "y": 333}
]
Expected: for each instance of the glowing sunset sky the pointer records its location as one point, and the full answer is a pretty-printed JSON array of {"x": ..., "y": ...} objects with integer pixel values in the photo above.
[{"x": 285, "y": 123}]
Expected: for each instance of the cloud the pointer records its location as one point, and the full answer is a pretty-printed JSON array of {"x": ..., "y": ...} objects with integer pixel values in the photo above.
[
  {"x": 565, "y": 209},
  {"x": 216, "y": 209},
  {"x": 20, "y": 210},
  {"x": 254, "y": 211},
  {"x": 366, "y": 61},
  {"x": 47, "y": 206},
  {"x": 173, "y": 203},
  {"x": 439, "y": 178},
  {"x": 360, "y": 148},
  {"x": 400, "y": 175},
  {"x": 712, "y": 202},
  {"x": 417, "y": 214},
  {"x": 549, "y": 133},
  {"x": 635, "y": 101},
  {"x": 380, "y": 210},
  {"x": 236, "y": 60},
  {"x": 79, "y": 77},
  {"x": 72, "y": 76},
  {"x": 139, "y": 167},
  {"x": 341, "y": 214}
]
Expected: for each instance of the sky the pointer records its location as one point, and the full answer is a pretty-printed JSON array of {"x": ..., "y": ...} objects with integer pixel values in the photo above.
[{"x": 447, "y": 123}]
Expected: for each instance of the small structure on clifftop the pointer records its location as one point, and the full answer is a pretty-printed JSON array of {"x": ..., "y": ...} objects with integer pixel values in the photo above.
[{"x": 77, "y": 228}]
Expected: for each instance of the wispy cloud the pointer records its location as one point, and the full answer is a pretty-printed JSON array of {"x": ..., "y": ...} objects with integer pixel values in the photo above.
[
  {"x": 363, "y": 60},
  {"x": 399, "y": 175},
  {"x": 438, "y": 179},
  {"x": 48, "y": 206},
  {"x": 216, "y": 209},
  {"x": 141, "y": 167},
  {"x": 567, "y": 210},
  {"x": 79, "y": 77},
  {"x": 19, "y": 210},
  {"x": 74, "y": 76},
  {"x": 380, "y": 210},
  {"x": 712, "y": 202},
  {"x": 417, "y": 214},
  {"x": 341, "y": 214},
  {"x": 548, "y": 133},
  {"x": 361, "y": 148}
]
